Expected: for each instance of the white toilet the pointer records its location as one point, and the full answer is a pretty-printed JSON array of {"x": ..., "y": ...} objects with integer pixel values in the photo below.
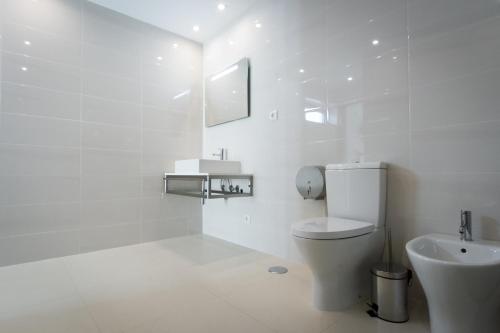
[{"x": 341, "y": 248}]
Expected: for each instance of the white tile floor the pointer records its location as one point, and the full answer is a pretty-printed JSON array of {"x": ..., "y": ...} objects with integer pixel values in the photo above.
[{"x": 188, "y": 284}]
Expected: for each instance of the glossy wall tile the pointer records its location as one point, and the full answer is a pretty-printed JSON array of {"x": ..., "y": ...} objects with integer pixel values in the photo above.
[
  {"x": 413, "y": 83},
  {"x": 76, "y": 159}
]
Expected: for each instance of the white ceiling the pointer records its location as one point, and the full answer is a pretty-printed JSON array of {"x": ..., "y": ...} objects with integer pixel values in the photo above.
[{"x": 179, "y": 16}]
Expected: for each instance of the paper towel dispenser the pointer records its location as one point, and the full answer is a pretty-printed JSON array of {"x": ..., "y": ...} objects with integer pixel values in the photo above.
[{"x": 310, "y": 182}]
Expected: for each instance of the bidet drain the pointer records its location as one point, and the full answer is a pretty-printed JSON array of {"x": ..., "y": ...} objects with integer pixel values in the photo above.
[{"x": 278, "y": 270}]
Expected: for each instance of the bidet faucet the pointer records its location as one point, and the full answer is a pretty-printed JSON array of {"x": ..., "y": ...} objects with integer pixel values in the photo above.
[
  {"x": 222, "y": 154},
  {"x": 465, "y": 229}
]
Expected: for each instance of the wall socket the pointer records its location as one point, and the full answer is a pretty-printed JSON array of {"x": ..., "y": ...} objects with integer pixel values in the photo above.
[
  {"x": 247, "y": 219},
  {"x": 273, "y": 115}
]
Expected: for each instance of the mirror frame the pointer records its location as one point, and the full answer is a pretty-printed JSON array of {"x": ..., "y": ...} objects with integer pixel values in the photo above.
[{"x": 245, "y": 63}]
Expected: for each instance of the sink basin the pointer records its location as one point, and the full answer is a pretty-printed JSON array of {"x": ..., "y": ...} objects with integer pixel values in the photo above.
[
  {"x": 461, "y": 281},
  {"x": 450, "y": 250},
  {"x": 196, "y": 166}
]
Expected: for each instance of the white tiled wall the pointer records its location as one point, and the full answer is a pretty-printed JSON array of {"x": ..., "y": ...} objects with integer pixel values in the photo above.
[
  {"x": 425, "y": 98},
  {"x": 88, "y": 124}
]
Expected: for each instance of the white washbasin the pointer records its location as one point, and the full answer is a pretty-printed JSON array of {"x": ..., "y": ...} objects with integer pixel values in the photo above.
[
  {"x": 461, "y": 281},
  {"x": 196, "y": 166},
  {"x": 449, "y": 250}
]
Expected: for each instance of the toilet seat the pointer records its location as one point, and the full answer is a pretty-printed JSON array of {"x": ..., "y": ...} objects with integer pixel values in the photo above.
[{"x": 330, "y": 228}]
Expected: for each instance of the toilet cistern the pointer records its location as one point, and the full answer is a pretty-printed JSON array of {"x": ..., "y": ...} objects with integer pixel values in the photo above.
[
  {"x": 355, "y": 200},
  {"x": 465, "y": 229}
]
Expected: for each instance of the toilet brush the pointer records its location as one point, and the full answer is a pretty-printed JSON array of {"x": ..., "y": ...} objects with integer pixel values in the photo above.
[{"x": 389, "y": 246}]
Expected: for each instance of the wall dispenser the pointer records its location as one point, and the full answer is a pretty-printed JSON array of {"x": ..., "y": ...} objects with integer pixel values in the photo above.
[{"x": 310, "y": 182}]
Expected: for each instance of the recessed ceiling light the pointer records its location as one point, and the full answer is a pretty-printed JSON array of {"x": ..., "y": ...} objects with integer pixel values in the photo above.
[
  {"x": 196, "y": 28},
  {"x": 375, "y": 42},
  {"x": 175, "y": 45},
  {"x": 160, "y": 58},
  {"x": 221, "y": 6},
  {"x": 24, "y": 69},
  {"x": 350, "y": 78},
  {"x": 395, "y": 58},
  {"x": 302, "y": 70},
  {"x": 27, "y": 42},
  {"x": 378, "y": 57},
  {"x": 258, "y": 25}
]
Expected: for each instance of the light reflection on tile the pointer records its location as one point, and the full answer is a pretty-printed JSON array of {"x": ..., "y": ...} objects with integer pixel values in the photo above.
[
  {"x": 76, "y": 149},
  {"x": 412, "y": 83}
]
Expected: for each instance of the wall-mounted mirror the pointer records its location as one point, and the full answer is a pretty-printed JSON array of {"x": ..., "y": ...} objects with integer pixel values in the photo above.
[{"x": 227, "y": 94}]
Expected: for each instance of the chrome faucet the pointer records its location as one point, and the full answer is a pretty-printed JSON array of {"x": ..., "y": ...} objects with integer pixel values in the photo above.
[
  {"x": 465, "y": 229},
  {"x": 222, "y": 154}
]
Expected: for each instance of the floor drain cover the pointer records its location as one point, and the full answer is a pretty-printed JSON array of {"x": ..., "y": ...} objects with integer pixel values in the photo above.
[{"x": 278, "y": 270}]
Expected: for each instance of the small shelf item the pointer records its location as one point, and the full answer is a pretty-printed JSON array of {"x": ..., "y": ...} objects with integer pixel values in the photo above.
[{"x": 208, "y": 186}]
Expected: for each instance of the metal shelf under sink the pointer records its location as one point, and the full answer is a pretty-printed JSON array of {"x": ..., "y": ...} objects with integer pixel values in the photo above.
[{"x": 204, "y": 186}]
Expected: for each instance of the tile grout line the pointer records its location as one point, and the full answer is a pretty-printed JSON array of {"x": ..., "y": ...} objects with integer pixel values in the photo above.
[
  {"x": 79, "y": 293},
  {"x": 93, "y": 227},
  {"x": 91, "y": 122},
  {"x": 29, "y": 115},
  {"x": 165, "y": 67},
  {"x": 408, "y": 83},
  {"x": 223, "y": 299},
  {"x": 63, "y": 92},
  {"x": 87, "y": 308},
  {"x": 28, "y": 145},
  {"x": 456, "y": 125},
  {"x": 78, "y": 67},
  {"x": 80, "y": 221},
  {"x": 141, "y": 141},
  {"x": 327, "y": 329}
]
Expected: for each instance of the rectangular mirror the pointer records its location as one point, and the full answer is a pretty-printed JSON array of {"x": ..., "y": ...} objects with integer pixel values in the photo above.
[{"x": 227, "y": 94}]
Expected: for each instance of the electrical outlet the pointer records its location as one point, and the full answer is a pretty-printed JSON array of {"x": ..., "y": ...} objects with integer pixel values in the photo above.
[
  {"x": 273, "y": 115},
  {"x": 247, "y": 219}
]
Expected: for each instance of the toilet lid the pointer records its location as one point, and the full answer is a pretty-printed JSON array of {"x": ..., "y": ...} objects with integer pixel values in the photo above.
[{"x": 330, "y": 228}]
